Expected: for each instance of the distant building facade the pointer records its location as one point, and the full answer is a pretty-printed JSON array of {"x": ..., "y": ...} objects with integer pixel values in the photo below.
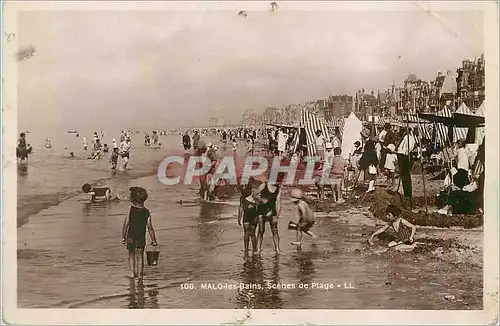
[{"x": 471, "y": 82}]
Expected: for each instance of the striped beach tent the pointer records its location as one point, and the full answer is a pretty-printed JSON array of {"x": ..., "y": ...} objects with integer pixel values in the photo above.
[
  {"x": 311, "y": 123},
  {"x": 480, "y": 131},
  {"x": 461, "y": 132},
  {"x": 441, "y": 129},
  {"x": 336, "y": 123},
  {"x": 424, "y": 128}
]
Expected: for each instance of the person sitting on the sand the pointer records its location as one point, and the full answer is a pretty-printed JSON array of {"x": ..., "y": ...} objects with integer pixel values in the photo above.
[
  {"x": 404, "y": 229},
  {"x": 99, "y": 194}
]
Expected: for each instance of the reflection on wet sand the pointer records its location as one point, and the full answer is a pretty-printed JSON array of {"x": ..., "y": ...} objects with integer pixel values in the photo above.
[
  {"x": 209, "y": 232},
  {"x": 306, "y": 270},
  {"x": 264, "y": 297},
  {"x": 97, "y": 208},
  {"x": 137, "y": 299},
  {"x": 22, "y": 170}
]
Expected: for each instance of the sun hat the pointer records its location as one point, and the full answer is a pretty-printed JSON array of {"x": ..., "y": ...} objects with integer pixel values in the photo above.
[
  {"x": 328, "y": 145},
  {"x": 391, "y": 147}
]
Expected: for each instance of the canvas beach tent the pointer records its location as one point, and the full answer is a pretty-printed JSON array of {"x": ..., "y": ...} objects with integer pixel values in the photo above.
[
  {"x": 424, "y": 127},
  {"x": 310, "y": 122},
  {"x": 461, "y": 132},
  {"x": 480, "y": 131},
  {"x": 351, "y": 133}
]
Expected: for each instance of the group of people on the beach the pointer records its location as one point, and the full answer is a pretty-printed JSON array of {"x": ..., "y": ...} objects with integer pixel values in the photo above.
[
  {"x": 261, "y": 203},
  {"x": 122, "y": 150},
  {"x": 152, "y": 141}
]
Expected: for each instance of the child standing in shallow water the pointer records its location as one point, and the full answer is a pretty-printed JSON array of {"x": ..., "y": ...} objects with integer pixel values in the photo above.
[{"x": 134, "y": 231}]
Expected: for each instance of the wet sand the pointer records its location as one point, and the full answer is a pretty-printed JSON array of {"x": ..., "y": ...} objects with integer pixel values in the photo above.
[
  {"x": 69, "y": 259},
  {"x": 70, "y": 256}
]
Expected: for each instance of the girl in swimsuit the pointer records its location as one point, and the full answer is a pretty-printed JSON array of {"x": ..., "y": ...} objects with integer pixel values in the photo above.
[
  {"x": 134, "y": 231},
  {"x": 404, "y": 229},
  {"x": 269, "y": 211},
  {"x": 247, "y": 213}
]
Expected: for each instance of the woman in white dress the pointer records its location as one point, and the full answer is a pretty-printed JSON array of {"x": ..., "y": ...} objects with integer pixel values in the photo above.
[{"x": 282, "y": 139}]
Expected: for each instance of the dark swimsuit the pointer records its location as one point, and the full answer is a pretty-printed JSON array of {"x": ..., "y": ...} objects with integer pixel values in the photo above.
[
  {"x": 250, "y": 211},
  {"x": 99, "y": 192},
  {"x": 404, "y": 233},
  {"x": 186, "y": 141},
  {"x": 270, "y": 204},
  {"x": 22, "y": 150},
  {"x": 136, "y": 233}
]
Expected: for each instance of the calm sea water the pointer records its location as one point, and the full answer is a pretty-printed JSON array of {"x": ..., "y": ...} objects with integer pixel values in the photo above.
[{"x": 70, "y": 252}]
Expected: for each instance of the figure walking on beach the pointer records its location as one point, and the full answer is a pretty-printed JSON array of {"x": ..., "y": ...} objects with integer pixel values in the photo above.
[
  {"x": 125, "y": 152},
  {"x": 369, "y": 160},
  {"x": 196, "y": 140},
  {"x": 22, "y": 149},
  {"x": 186, "y": 141},
  {"x": 134, "y": 231},
  {"x": 320, "y": 144}
]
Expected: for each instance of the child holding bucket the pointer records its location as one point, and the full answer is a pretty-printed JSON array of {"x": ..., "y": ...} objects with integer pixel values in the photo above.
[
  {"x": 306, "y": 216},
  {"x": 134, "y": 231}
]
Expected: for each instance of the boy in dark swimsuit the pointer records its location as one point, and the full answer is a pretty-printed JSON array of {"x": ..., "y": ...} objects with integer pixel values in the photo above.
[
  {"x": 404, "y": 229},
  {"x": 269, "y": 211},
  {"x": 134, "y": 231},
  {"x": 247, "y": 213},
  {"x": 99, "y": 194}
]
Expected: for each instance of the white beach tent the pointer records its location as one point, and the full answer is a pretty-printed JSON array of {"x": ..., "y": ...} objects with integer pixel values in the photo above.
[
  {"x": 461, "y": 132},
  {"x": 480, "y": 131},
  {"x": 350, "y": 134}
]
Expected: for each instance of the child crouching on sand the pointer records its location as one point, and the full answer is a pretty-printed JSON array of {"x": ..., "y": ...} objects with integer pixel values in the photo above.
[
  {"x": 306, "y": 216},
  {"x": 404, "y": 229},
  {"x": 134, "y": 231},
  {"x": 99, "y": 194}
]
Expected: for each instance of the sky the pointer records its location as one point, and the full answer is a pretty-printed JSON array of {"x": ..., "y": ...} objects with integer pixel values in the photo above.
[{"x": 154, "y": 69}]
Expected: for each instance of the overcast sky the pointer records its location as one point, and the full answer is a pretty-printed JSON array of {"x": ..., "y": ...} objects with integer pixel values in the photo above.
[{"x": 163, "y": 69}]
